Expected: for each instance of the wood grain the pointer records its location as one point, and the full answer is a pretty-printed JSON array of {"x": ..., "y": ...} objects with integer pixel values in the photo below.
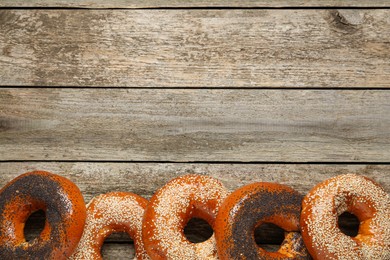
[
  {"x": 195, "y": 48},
  {"x": 122, "y": 251},
  {"x": 192, "y": 3},
  {"x": 196, "y": 231},
  {"x": 115, "y": 251},
  {"x": 186, "y": 125},
  {"x": 118, "y": 251},
  {"x": 146, "y": 178},
  {"x": 209, "y": 50}
]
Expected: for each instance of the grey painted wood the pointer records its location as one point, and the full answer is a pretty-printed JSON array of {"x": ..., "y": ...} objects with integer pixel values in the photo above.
[
  {"x": 192, "y": 3},
  {"x": 195, "y": 48},
  {"x": 195, "y": 125}
]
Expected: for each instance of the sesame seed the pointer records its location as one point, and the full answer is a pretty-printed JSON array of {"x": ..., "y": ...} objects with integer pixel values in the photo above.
[{"x": 325, "y": 202}]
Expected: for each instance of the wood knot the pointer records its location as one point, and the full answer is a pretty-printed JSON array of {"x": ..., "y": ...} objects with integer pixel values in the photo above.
[{"x": 345, "y": 20}]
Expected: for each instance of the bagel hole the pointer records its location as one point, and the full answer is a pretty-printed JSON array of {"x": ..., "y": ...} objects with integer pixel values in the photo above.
[
  {"x": 197, "y": 230},
  {"x": 34, "y": 225},
  {"x": 348, "y": 224},
  {"x": 117, "y": 245},
  {"x": 269, "y": 237}
]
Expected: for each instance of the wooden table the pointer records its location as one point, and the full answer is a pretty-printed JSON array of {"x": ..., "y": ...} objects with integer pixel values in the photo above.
[{"x": 126, "y": 95}]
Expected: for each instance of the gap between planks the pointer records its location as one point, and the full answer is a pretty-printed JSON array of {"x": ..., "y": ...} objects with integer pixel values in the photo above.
[
  {"x": 194, "y": 3},
  {"x": 196, "y": 88},
  {"x": 197, "y": 162}
]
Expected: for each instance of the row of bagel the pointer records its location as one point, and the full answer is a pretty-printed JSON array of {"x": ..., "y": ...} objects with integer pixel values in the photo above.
[{"x": 74, "y": 230}]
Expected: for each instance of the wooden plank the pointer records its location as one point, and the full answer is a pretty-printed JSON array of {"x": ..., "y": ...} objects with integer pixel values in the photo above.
[
  {"x": 118, "y": 251},
  {"x": 146, "y": 178},
  {"x": 195, "y": 48},
  {"x": 115, "y": 251},
  {"x": 192, "y": 3},
  {"x": 196, "y": 231},
  {"x": 195, "y": 125}
]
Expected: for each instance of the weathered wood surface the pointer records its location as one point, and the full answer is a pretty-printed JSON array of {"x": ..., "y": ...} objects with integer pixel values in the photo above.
[
  {"x": 185, "y": 48},
  {"x": 97, "y": 178},
  {"x": 196, "y": 231},
  {"x": 195, "y": 48},
  {"x": 195, "y": 125},
  {"x": 125, "y": 251},
  {"x": 118, "y": 251},
  {"x": 192, "y": 3},
  {"x": 146, "y": 178},
  {"x": 112, "y": 251}
]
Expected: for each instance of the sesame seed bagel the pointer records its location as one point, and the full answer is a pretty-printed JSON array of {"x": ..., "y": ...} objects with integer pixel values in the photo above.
[
  {"x": 109, "y": 213},
  {"x": 247, "y": 208},
  {"x": 65, "y": 213},
  {"x": 346, "y": 193},
  {"x": 170, "y": 209}
]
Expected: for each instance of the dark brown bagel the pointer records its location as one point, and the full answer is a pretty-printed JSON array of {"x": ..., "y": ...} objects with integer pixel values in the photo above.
[
  {"x": 65, "y": 216},
  {"x": 250, "y": 206}
]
